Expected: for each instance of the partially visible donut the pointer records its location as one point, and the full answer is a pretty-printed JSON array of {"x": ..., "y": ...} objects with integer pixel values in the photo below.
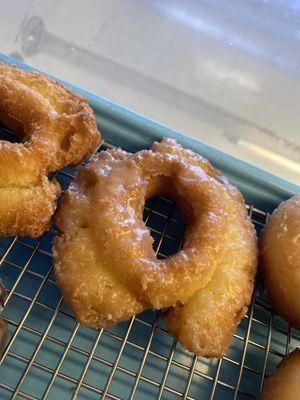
[
  {"x": 57, "y": 128},
  {"x": 284, "y": 383},
  {"x": 47, "y": 116},
  {"x": 280, "y": 259},
  {"x": 103, "y": 258}
]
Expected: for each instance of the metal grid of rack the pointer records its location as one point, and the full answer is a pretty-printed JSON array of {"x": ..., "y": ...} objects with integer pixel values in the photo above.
[{"x": 50, "y": 356}]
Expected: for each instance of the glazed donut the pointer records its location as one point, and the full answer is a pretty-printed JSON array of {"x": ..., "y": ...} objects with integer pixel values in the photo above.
[
  {"x": 205, "y": 324},
  {"x": 280, "y": 259},
  {"x": 104, "y": 262},
  {"x": 284, "y": 383},
  {"x": 57, "y": 128}
]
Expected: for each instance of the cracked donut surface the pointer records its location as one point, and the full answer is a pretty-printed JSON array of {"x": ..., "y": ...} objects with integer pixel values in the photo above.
[
  {"x": 57, "y": 128},
  {"x": 104, "y": 261}
]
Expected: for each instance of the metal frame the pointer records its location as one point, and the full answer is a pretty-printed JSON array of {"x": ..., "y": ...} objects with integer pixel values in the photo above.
[{"x": 162, "y": 387}]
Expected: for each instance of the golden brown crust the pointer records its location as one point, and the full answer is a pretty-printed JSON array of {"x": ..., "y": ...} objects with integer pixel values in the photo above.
[
  {"x": 102, "y": 234},
  {"x": 52, "y": 118},
  {"x": 206, "y": 323},
  {"x": 280, "y": 259},
  {"x": 105, "y": 204},
  {"x": 284, "y": 383},
  {"x": 57, "y": 127},
  {"x": 27, "y": 211}
]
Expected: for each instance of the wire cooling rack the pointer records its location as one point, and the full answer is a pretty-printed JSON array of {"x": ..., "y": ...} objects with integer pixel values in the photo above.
[{"x": 50, "y": 356}]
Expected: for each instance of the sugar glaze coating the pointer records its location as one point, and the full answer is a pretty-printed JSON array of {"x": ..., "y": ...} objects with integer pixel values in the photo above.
[{"x": 104, "y": 261}]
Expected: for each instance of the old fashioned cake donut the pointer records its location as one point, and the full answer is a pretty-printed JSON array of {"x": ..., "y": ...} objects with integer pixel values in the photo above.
[
  {"x": 280, "y": 259},
  {"x": 57, "y": 128},
  {"x": 104, "y": 261}
]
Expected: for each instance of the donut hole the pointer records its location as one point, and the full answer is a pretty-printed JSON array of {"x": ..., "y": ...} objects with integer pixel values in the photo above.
[
  {"x": 166, "y": 215},
  {"x": 167, "y": 225},
  {"x": 164, "y": 187},
  {"x": 9, "y": 135}
]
